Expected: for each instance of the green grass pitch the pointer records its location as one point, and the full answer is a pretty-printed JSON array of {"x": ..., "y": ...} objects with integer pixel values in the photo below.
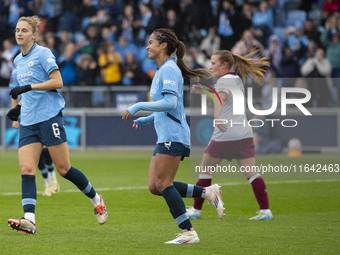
[{"x": 306, "y": 212}]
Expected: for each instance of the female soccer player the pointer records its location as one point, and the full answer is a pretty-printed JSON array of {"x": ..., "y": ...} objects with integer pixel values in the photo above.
[
  {"x": 232, "y": 142},
  {"x": 45, "y": 165},
  {"x": 173, "y": 132},
  {"x": 42, "y": 123}
]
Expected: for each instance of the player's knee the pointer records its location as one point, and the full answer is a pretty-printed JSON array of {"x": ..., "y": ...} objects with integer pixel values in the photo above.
[
  {"x": 62, "y": 168},
  {"x": 161, "y": 185},
  {"x": 153, "y": 190},
  {"x": 27, "y": 170}
]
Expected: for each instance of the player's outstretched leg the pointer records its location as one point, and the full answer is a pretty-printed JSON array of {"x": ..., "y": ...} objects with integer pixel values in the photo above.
[
  {"x": 211, "y": 193},
  {"x": 194, "y": 212},
  {"x": 80, "y": 180},
  {"x": 260, "y": 191}
]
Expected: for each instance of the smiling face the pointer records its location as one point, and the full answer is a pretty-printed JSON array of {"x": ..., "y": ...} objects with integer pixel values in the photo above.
[
  {"x": 218, "y": 68},
  {"x": 154, "y": 48},
  {"x": 24, "y": 34}
]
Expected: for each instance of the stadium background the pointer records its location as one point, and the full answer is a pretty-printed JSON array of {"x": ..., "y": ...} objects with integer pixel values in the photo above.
[{"x": 306, "y": 208}]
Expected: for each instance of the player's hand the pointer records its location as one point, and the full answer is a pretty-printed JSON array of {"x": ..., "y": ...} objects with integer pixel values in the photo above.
[
  {"x": 222, "y": 127},
  {"x": 14, "y": 113},
  {"x": 19, "y": 90},
  {"x": 127, "y": 115},
  {"x": 196, "y": 89},
  {"x": 15, "y": 124},
  {"x": 135, "y": 125}
]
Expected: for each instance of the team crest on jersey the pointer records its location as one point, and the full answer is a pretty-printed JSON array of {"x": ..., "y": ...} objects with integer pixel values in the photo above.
[
  {"x": 30, "y": 63},
  {"x": 157, "y": 81}
]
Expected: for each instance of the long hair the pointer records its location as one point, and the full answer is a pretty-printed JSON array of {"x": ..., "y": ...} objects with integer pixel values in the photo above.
[
  {"x": 250, "y": 64},
  {"x": 168, "y": 36},
  {"x": 33, "y": 21}
]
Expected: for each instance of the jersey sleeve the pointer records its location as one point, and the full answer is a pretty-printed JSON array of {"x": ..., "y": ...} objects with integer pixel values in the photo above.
[
  {"x": 169, "y": 80},
  {"x": 48, "y": 61},
  {"x": 222, "y": 85}
]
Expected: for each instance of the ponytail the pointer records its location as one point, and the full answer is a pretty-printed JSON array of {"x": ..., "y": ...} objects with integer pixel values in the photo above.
[
  {"x": 168, "y": 36},
  {"x": 251, "y": 65},
  {"x": 247, "y": 65}
]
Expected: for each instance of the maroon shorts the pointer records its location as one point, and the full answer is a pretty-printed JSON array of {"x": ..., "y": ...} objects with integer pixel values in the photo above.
[{"x": 231, "y": 149}]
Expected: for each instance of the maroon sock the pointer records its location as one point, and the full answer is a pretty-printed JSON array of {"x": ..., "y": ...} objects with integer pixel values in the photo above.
[
  {"x": 198, "y": 201},
  {"x": 260, "y": 191}
]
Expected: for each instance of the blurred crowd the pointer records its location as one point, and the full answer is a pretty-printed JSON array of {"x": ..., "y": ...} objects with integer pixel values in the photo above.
[{"x": 102, "y": 42}]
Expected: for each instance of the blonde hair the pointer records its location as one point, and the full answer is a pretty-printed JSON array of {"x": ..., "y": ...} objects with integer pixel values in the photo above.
[
  {"x": 250, "y": 64},
  {"x": 33, "y": 21},
  {"x": 168, "y": 36}
]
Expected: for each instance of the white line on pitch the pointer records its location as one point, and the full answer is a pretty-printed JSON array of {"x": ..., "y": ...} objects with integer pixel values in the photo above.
[{"x": 222, "y": 184}]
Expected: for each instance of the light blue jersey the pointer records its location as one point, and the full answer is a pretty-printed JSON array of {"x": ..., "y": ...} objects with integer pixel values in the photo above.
[
  {"x": 170, "y": 126},
  {"x": 35, "y": 67}
]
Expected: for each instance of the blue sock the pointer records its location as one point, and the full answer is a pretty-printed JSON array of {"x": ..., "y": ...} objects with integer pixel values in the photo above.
[
  {"x": 28, "y": 193},
  {"x": 188, "y": 190},
  {"x": 44, "y": 172},
  {"x": 79, "y": 179},
  {"x": 177, "y": 207}
]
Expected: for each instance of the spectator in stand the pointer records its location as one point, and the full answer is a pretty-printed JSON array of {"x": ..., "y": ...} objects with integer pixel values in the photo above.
[
  {"x": 52, "y": 10},
  {"x": 298, "y": 42},
  {"x": 82, "y": 44},
  {"x": 329, "y": 7},
  {"x": 274, "y": 54},
  {"x": 50, "y": 41},
  {"x": 173, "y": 22},
  {"x": 93, "y": 36},
  {"x": 67, "y": 64},
  {"x": 311, "y": 49},
  {"x": 123, "y": 47},
  {"x": 211, "y": 43},
  {"x": 320, "y": 68},
  {"x": 114, "y": 9},
  {"x": 87, "y": 70},
  {"x": 332, "y": 25},
  {"x": 311, "y": 30},
  {"x": 226, "y": 24},
  {"x": 146, "y": 24},
  {"x": 132, "y": 71},
  {"x": 109, "y": 62},
  {"x": 332, "y": 49},
  {"x": 10, "y": 50},
  {"x": 64, "y": 39},
  {"x": 86, "y": 11},
  {"x": 127, "y": 24},
  {"x": 243, "y": 20},
  {"x": 263, "y": 23},
  {"x": 246, "y": 44},
  {"x": 290, "y": 67},
  {"x": 108, "y": 34},
  {"x": 102, "y": 18},
  {"x": 5, "y": 75}
]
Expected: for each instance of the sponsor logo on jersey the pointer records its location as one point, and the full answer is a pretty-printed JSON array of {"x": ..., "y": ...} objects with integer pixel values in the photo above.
[{"x": 169, "y": 82}]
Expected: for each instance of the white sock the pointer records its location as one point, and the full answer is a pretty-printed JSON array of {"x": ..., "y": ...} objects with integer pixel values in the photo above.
[
  {"x": 265, "y": 211},
  {"x": 96, "y": 200},
  {"x": 30, "y": 216},
  {"x": 47, "y": 182},
  {"x": 204, "y": 176},
  {"x": 51, "y": 174}
]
